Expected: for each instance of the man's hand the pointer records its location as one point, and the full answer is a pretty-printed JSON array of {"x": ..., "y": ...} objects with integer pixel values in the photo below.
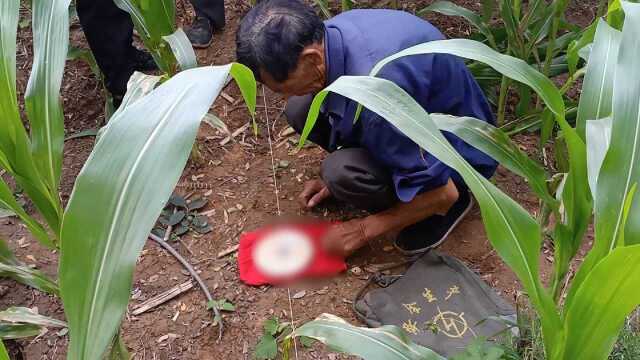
[
  {"x": 313, "y": 193},
  {"x": 345, "y": 238}
]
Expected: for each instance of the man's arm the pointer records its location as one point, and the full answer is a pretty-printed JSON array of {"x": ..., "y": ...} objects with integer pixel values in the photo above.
[{"x": 345, "y": 238}]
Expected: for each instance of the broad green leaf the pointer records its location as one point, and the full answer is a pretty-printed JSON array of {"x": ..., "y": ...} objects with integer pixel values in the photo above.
[
  {"x": 182, "y": 49},
  {"x": 18, "y": 331},
  {"x": 3, "y": 352},
  {"x": 451, "y": 9},
  {"x": 598, "y": 136},
  {"x": 8, "y": 201},
  {"x": 573, "y": 51},
  {"x": 382, "y": 343},
  {"x": 495, "y": 143},
  {"x": 620, "y": 170},
  {"x": 12, "y": 268},
  {"x": 42, "y": 97},
  {"x": 512, "y": 231},
  {"x": 597, "y": 89},
  {"x": 604, "y": 299},
  {"x": 153, "y": 20},
  {"x": 511, "y": 67},
  {"x": 28, "y": 316},
  {"x": 114, "y": 206},
  {"x": 267, "y": 348},
  {"x": 15, "y": 146}
]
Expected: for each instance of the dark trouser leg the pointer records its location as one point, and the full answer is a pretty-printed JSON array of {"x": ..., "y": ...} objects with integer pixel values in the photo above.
[
  {"x": 109, "y": 32},
  {"x": 212, "y": 10},
  {"x": 296, "y": 112},
  {"x": 352, "y": 176}
]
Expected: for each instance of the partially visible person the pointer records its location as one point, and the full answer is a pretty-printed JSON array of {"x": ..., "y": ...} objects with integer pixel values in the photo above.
[
  {"x": 209, "y": 18},
  {"x": 109, "y": 32}
]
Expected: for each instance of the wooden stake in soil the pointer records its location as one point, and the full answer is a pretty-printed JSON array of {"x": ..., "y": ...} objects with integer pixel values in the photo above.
[{"x": 162, "y": 298}]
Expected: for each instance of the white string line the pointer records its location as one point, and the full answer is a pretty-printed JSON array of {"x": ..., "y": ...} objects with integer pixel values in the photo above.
[{"x": 275, "y": 184}]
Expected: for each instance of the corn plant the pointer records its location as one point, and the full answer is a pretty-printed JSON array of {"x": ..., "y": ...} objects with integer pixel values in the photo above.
[
  {"x": 113, "y": 205},
  {"x": 531, "y": 33},
  {"x": 155, "y": 21},
  {"x": 601, "y": 179}
]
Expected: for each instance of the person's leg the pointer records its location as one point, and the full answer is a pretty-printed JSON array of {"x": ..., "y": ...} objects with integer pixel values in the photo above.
[
  {"x": 296, "y": 113},
  {"x": 209, "y": 17},
  {"x": 212, "y": 10},
  {"x": 109, "y": 32},
  {"x": 352, "y": 176}
]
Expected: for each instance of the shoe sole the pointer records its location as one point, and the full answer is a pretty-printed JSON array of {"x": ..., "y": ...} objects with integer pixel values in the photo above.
[{"x": 411, "y": 253}]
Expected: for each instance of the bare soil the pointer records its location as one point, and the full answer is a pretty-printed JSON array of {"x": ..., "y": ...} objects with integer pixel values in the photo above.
[{"x": 239, "y": 172}]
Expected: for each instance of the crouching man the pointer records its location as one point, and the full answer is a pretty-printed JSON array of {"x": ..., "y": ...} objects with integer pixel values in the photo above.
[{"x": 371, "y": 164}]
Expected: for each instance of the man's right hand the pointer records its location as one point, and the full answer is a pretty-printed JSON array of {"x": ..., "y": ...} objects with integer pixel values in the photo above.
[{"x": 313, "y": 193}]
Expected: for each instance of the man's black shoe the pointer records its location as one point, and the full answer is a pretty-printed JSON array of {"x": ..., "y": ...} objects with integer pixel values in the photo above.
[
  {"x": 200, "y": 33},
  {"x": 433, "y": 231},
  {"x": 143, "y": 61}
]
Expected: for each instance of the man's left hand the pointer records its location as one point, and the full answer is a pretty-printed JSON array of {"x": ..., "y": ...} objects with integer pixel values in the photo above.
[{"x": 345, "y": 238}]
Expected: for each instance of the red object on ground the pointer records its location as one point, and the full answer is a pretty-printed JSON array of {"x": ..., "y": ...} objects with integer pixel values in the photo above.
[{"x": 322, "y": 264}]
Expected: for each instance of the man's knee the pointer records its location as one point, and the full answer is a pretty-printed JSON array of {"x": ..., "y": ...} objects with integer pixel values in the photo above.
[{"x": 354, "y": 177}]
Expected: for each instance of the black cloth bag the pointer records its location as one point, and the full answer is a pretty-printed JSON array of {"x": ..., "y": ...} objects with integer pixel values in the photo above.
[{"x": 440, "y": 303}]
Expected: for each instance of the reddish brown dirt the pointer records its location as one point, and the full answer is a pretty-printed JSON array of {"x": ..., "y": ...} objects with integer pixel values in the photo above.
[{"x": 243, "y": 176}]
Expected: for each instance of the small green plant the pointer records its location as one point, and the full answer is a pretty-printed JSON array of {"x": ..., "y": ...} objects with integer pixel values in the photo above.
[
  {"x": 274, "y": 331},
  {"x": 182, "y": 216}
]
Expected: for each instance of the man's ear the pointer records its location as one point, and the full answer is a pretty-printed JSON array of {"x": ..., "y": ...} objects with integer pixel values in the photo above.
[{"x": 313, "y": 56}]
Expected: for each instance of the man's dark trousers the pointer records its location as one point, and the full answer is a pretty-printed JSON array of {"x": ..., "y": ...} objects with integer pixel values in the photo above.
[
  {"x": 109, "y": 32},
  {"x": 351, "y": 175}
]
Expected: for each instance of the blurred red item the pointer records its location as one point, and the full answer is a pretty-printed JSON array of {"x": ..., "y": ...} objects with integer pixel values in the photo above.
[{"x": 322, "y": 265}]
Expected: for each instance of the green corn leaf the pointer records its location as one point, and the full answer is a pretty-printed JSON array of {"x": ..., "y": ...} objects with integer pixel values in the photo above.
[
  {"x": 513, "y": 68},
  {"x": 597, "y": 90},
  {"x": 382, "y": 343},
  {"x": 620, "y": 170},
  {"x": 604, "y": 299},
  {"x": 10, "y": 267},
  {"x": 15, "y": 146},
  {"x": 8, "y": 201},
  {"x": 42, "y": 97},
  {"x": 10, "y": 331},
  {"x": 3, "y": 352},
  {"x": 573, "y": 51},
  {"x": 153, "y": 20},
  {"x": 150, "y": 139},
  {"x": 451, "y": 9},
  {"x": 29, "y": 316},
  {"x": 182, "y": 49},
  {"x": 495, "y": 143},
  {"x": 621, "y": 166},
  {"x": 598, "y": 134},
  {"x": 512, "y": 231}
]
